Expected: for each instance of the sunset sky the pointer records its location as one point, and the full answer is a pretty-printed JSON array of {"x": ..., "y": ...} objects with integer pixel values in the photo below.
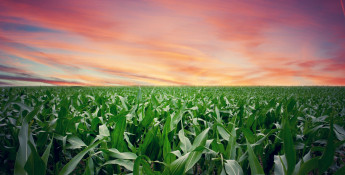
[{"x": 166, "y": 42}]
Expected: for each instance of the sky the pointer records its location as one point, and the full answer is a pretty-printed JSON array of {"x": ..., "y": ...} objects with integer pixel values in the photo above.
[{"x": 180, "y": 42}]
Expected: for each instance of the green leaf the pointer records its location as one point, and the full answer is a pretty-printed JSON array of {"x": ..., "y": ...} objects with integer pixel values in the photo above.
[
  {"x": 104, "y": 131},
  {"x": 33, "y": 113},
  {"x": 223, "y": 132},
  {"x": 149, "y": 116},
  {"x": 254, "y": 164},
  {"x": 280, "y": 164},
  {"x": 125, "y": 163},
  {"x": 248, "y": 134},
  {"x": 62, "y": 113},
  {"x": 136, "y": 165},
  {"x": 24, "y": 150},
  {"x": 178, "y": 116},
  {"x": 193, "y": 158},
  {"x": 154, "y": 101},
  {"x": 308, "y": 166},
  {"x": 75, "y": 142},
  {"x": 231, "y": 148},
  {"x": 121, "y": 155},
  {"x": 178, "y": 166},
  {"x": 46, "y": 153},
  {"x": 117, "y": 136},
  {"x": 168, "y": 158},
  {"x": 259, "y": 142},
  {"x": 233, "y": 168},
  {"x": 146, "y": 169},
  {"x": 340, "y": 171},
  {"x": 94, "y": 123},
  {"x": 184, "y": 141},
  {"x": 167, "y": 128},
  {"x": 89, "y": 170},
  {"x": 250, "y": 121},
  {"x": 148, "y": 139},
  {"x": 339, "y": 131},
  {"x": 290, "y": 105},
  {"x": 289, "y": 148},
  {"x": 70, "y": 166},
  {"x": 327, "y": 157},
  {"x": 305, "y": 159},
  {"x": 139, "y": 96},
  {"x": 219, "y": 119},
  {"x": 21, "y": 106},
  {"x": 200, "y": 140},
  {"x": 34, "y": 164},
  {"x": 130, "y": 145},
  {"x": 123, "y": 101}
]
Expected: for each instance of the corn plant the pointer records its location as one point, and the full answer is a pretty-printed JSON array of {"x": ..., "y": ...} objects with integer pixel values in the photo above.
[{"x": 172, "y": 130}]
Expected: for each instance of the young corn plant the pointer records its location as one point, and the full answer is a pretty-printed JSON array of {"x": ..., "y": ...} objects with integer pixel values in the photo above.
[{"x": 172, "y": 130}]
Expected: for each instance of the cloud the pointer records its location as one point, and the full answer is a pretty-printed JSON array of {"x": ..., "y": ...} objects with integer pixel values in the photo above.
[
  {"x": 342, "y": 6},
  {"x": 31, "y": 53},
  {"x": 96, "y": 80},
  {"x": 140, "y": 76},
  {"x": 42, "y": 80},
  {"x": 176, "y": 42},
  {"x": 84, "y": 19},
  {"x": 14, "y": 70},
  {"x": 5, "y": 84}
]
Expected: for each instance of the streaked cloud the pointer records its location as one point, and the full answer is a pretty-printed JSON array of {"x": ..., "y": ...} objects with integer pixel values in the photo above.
[
  {"x": 151, "y": 42},
  {"x": 42, "y": 80}
]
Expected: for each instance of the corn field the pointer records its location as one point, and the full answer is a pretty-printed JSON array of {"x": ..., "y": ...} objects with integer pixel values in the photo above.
[{"x": 172, "y": 130}]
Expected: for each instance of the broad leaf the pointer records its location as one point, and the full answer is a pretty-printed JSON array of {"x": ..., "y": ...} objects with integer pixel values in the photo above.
[
  {"x": 254, "y": 164},
  {"x": 35, "y": 165},
  {"x": 104, "y": 131},
  {"x": 70, "y": 166},
  {"x": 75, "y": 142},
  {"x": 121, "y": 155},
  {"x": 125, "y": 163},
  {"x": 233, "y": 168},
  {"x": 184, "y": 141}
]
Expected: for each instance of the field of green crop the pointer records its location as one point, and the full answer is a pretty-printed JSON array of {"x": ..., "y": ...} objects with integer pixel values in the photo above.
[{"x": 172, "y": 130}]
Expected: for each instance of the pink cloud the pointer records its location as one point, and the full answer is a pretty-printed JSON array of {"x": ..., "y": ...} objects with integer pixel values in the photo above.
[
  {"x": 180, "y": 42},
  {"x": 85, "y": 19}
]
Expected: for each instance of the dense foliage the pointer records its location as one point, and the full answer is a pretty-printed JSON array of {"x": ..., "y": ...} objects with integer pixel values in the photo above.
[{"x": 172, "y": 130}]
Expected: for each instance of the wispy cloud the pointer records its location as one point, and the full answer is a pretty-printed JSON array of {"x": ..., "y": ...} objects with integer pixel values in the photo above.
[
  {"x": 42, "y": 80},
  {"x": 14, "y": 70},
  {"x": 6, "y": 84},
  {"x": 151, "y": 42}
]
